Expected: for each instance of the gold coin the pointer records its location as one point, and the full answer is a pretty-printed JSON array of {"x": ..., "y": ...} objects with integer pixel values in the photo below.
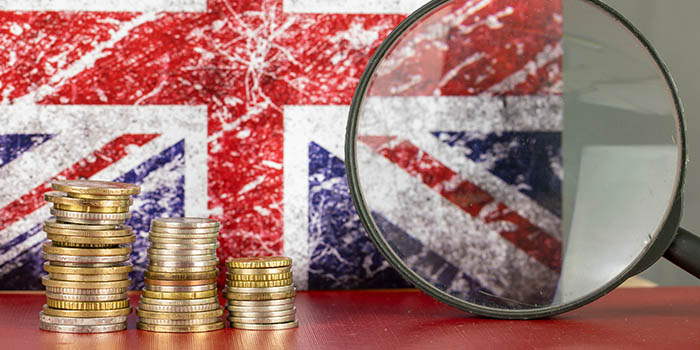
[
  {"x": 180, "y": 295},
  {"x": 82, "y": 245},
  {"x": 271, "y": 271},
  {"x": 183, "y": 262},
  {"x": 158, "y": 282},
  {"x": 171, "y": 269},
  {"x": 191, "y": 252},
  {"x": 93, "y": 187},
  {"x": 180, "y": 315},
  {"x": 63, "y": 199},
  {"x": 89, "y": 234},
  {"x": 86, "y": 313},
  {"x": 87, "y": 305},
  {"x": 259, "y": 309},
  {"x": 259, "y": 296},
  {"x": 265, "y": 327},
  {"x": 63, "y": 239},
  {"x": 179, "y": 302},
  {"x": 88, "y": 278},
  {"x": 184, "y": 231},
  {"x": 87, "y": 209},
  {"x": 285, "y": 288},
  {"x": 97, "y": 196},
  {"x": 183, "y": 247},
  {"x": 55, "y": 225},
  {"x": 174, "y": 276},
  {"x": 181, "y": 329},
  {"x": 86, "y": 297},
  {"x": 84, "y": 285},
  {"x": 262, "y": 320},
  {"x": 263, "y": 262},
  {"x": 79, "y": 217},
  {"x": 263, "y": 277},
  {"x": 49, "y": 248},
  {"x": 153, "y": 239},
  {"x": 185, "y": 223},
  {"x": 267, "y": 313},
  {"x": 259, "y": 284},
  {"x": 261, "y": 303}
]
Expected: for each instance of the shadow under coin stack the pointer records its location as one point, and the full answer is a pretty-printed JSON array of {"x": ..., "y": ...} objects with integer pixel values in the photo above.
[
  {"x": 87, "y": 257},
  {"x": 180, "y": 293},
  {"x": 260, "y": 293}
]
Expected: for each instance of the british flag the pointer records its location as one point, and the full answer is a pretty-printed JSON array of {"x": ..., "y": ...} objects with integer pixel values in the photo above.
[{"x": 234, "y": 110}]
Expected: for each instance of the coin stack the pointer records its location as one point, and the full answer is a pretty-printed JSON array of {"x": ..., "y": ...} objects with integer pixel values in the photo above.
[
  {"x": 87, "y": 257},
  {"x": 180, "y": 292},
  {"x": 260, "y": 293}
]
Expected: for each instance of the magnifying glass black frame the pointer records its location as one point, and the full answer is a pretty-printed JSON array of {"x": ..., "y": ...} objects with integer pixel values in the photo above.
[{"x": 676, "y": 244}]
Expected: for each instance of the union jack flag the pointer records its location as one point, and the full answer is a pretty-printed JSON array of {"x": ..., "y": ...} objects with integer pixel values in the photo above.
[{"x": 236, "y": 110}]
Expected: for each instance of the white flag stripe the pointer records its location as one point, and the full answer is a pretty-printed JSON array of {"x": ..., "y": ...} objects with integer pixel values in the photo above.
[
  {"x": 354, "y": 6},
  {"x": 105, "y": 5},
  {"x": 20, "y": 227}
]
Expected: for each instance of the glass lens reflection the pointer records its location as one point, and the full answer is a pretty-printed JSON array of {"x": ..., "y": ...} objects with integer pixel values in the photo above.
[{"x": 517, "y": 154}]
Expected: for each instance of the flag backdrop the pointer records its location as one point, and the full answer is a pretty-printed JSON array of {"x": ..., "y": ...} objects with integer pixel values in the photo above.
[{"x": 234, "y": 110}]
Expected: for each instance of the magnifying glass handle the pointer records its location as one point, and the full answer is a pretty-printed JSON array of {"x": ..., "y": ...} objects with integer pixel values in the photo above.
[{"x": 685, "y": 252}]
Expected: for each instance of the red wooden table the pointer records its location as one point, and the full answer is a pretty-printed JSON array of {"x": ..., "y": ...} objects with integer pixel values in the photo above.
[{"x": 650, "y": 318}]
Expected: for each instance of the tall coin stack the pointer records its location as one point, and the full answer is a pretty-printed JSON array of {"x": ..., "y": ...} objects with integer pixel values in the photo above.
[
  {"x": 87, "y": 257},
  {"x": 180, "y": 293},
  {"x": 260, "y": 293}
]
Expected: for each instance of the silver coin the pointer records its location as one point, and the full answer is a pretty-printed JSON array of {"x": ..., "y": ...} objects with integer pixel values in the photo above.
[
  {"x": 265, "y": 327},
  {"x": 185, "y": 222},
  {"x": 260, "y": 320},
  {"x": 260, "y": 290},
  {"x": 182, "y": 240},
  {"x": 93, "y": 291},
  {"x": 248, "y": 314},
  {"x": 82, "y": 329},
  {"x": 183, "y": 231},
  {"x": 86, "y": 297},
  {"x": 179, "y": 302},
  {"x": 95, "y": 259},
  {"x": 81, "y": 321},
  {"x": 179, "y": 308},
  {"x": 184, "y": 263},
  {"x": 261, "y": 303},
  {"x": 67, "y": 226},
  {"x": 85, "y": 265},
  {"x": 183, "y": 246},
  {"x": 169, "y": 322},
  {"x": 199, "y": 288},
  {"x": 182, "y": 269},
  {"x": 268, "y": 308},
  {"x": 181, "y": 252},
  {"x": 61, "y": 215},
  {"x": 155, "y": 257}
]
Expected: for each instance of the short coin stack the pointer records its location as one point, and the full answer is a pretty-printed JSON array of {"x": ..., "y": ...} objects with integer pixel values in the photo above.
[
  {"x": 260, "y": 293},
  {"x": 180, "y": 293},
  {"x": 87, "y": 257}
]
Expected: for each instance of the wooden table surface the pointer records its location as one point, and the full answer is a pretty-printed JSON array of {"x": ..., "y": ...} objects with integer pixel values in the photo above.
[{"x": 634, "y": 318}]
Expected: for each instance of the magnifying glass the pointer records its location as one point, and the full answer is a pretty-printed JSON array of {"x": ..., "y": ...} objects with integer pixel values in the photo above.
[{"x": 518, "y": 159}]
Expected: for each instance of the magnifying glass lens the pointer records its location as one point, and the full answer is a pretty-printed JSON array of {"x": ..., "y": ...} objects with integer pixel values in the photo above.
[{"x": 515, "y": 155}]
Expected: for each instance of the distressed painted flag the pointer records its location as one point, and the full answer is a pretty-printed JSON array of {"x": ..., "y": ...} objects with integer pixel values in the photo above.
[{"x": 236, "y": 110}]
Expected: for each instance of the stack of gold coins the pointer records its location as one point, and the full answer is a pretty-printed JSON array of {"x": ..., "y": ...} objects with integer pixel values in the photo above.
[
  {"x": 87, "y": 257},
  {"x": 260, "y": 293},
  {"x": 180, "y": 293}
]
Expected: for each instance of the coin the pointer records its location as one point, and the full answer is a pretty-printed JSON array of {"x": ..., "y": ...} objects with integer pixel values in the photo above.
[
  {"x": 179, "y": 295},
  {"x": 180, "y": 315},
  {"x": 260, "y": 303},
  {"x": 78, "y": 217},
  {"x": 171, "y": 269},
  {"x": 156, "y": 257},
  {"x": 86, "y": 291},
  {"x": 264, "y": 262},
  {"x": 88, "y": 278},
  {"x": 84, "y": 285},
  {"x": 269, "y": 308},
  {"x": 168, "y": 322},
  {"x": 258, "y": 314},
  {"x": 97, "y": 196},
  {"x": 182, "y": 240},
  {"x": 94, "y": 187},
  {"x": 104, "y": 328},
  {"x": 86, "y": 313},
  {"x": 265, "y": 327},
  {"x": 258, "y": 320},
  {"x": 60, "y": 226},
  {"x": 119, "y": 269},
  {"x": 182, "y": 263},
  {"x": 182, "y": 223},
  {"x": 270, "y": 271},
  {"x": 161, "y": 288},
  {"x": 74, "y": 321},
  {"x": 259, "y": 296},
  {"x": 286, "y": 288},
  {"x": 49, "y": 248},
  {"x": 259, "y": 277},
  {"x": 87, "y": 209},
  {"x": 179, "y": 302},
  {"x": 81, "y": 245},
  {"x": 179, "y": 308},
  {"x": 86, "y": 297},
  {"x": 184, "y": 246},
  {"x": 181, "y": 329},
  {"x": 179, "y": 283},
  {"x": 62, "y": 198},
  {"x": 186, "y": 231},
  {"x": 87, "y": 305},
  {"x": 91, "y": 240},
  {"x": 175, "y": 276},
  {"x": 82, "y": 261},
  {"x": 181, "y": 252},
  {"x": 259, "y": 284}
]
